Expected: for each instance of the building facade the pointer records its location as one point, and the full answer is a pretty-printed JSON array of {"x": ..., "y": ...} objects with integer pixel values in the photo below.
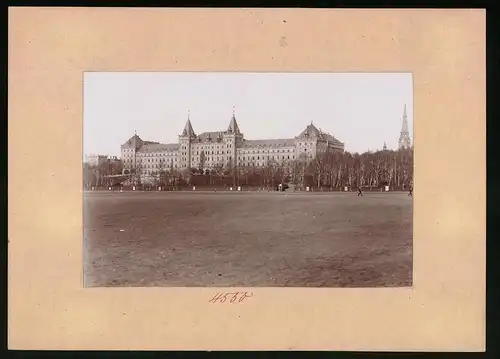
[
  {"x": 223, "y": 148},
  {"x": 96, "y": 160}
]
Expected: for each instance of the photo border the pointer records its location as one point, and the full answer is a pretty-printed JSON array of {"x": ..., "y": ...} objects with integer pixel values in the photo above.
[{"x": 49, "y": 48}]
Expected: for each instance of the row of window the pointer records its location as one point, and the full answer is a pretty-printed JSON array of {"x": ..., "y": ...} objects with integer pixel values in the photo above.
[
  {"x": 215, "y": 159},
  {"x": 252, "y": 163},
  {"x": 241, "y": 162},
  {"x": 212, "y": 151},
  {"x": 155, "y": 160},
  {"x": 208, "y": 158},
  {"x": 152, "y": 154},
  {"x": 287, "y": 157},
  {"x": 207, "y": 147},
  {"x": 155, "y": 166},
  {"x": 184, "y": 154}
]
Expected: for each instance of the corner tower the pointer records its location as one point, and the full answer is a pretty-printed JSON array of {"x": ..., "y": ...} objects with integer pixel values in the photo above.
[
  {"x": 129, "y": 152},
  {"x": 185, "y": 140},
  {"x": 232, "y": 139}
]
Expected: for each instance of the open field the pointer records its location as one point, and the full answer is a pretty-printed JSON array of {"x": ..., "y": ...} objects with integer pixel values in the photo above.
[{"x": 247, "y": 239}]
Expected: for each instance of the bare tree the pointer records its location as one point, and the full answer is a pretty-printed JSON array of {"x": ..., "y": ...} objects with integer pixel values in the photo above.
[{"x": 203, "y": 160}]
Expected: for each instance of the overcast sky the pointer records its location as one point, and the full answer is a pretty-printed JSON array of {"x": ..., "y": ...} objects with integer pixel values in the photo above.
[{"x": 360, "y": 109}]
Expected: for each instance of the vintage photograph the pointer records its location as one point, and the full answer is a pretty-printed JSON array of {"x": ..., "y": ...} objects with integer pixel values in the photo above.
[{"x": 227, "y": 179}]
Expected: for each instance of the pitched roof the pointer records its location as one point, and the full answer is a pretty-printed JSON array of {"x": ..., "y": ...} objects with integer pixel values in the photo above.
[
  {"x": 188, "y": 129},
  {"x": 233, "y": 126},
  {"x": 332, "y": 139},
  {"x": 310, "y": 132},
  {"x": 133, "y": 141},
  {"x": 157, "y": 147},
  {"x": 280, "y": 142},
  {"x": 212, "y": 136}
]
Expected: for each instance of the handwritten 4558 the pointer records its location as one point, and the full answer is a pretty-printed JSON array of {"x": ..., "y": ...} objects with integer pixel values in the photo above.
[{"x": 235, "y": 297}]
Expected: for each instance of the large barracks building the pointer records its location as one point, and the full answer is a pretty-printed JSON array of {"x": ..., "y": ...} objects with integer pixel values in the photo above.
[{"x": 222, "y": 148}]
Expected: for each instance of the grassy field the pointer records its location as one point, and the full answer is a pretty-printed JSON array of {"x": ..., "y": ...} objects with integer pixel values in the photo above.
[{"x": 247, "y": 239}]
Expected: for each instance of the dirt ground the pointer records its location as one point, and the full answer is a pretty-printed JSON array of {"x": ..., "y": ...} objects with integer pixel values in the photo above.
[{"x": 247, "y": 239}]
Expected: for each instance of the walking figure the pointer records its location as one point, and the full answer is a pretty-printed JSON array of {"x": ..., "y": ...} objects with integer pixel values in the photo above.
[
  {"x": 360, "y": 193},
  {"x": 410, "y": 193}
]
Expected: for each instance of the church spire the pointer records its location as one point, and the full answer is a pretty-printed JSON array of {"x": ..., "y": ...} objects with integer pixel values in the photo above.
[
  {"x": 385, "y": 146},
  {"x": 404, "y": 127},
  {"x": 404, "y": 137}
]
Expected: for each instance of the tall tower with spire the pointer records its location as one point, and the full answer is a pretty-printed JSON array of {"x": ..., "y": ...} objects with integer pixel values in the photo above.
[
  {"x": 185, "y": 139},
  {"x": 232, "y": 139},
  {"x": 385, "y": 147},
  {"x": 404, "y": 137}
]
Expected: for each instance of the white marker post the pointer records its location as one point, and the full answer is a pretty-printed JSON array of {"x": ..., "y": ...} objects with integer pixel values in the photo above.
[
  {"x": 159, "y": 188},
  {"x": 230, "y": 188},
  {"x": 133, "y": 188},
  {"x": 194, "y": 188},
  {"x": 345, "y": 188},
  {"x": 239, "y": 188},
  {"x": 387, "y": 188},
  {"x": 307, "y": 189},
  {"x": 109, "y": 188}
]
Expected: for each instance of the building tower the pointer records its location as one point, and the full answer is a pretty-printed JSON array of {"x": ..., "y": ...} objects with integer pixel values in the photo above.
[
  {"x": 404, "y": 137},
  {"x": 185, "y": 140},
  {"x": 232, "y": 138},
  {"x": 385, "y": 147}
]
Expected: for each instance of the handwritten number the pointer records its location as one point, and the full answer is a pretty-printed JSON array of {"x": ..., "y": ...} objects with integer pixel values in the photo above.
[
  {"x": 235, "y": 297},
  {"x": 245, "y": 295},
  {"x": 215, "y": 298}
]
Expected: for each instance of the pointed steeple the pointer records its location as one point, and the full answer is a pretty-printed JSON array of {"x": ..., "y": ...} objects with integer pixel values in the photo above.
[
  {"x": 188, "y": 129},
  {"x": 404, "y": 137},
  {"x": 385, "y": 146},
  {"x": 404, "y": 126},
  {"x": 233, "y": 126}
]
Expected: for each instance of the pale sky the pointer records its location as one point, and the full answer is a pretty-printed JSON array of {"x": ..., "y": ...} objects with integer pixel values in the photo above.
[{"x": 360, "y": 109}]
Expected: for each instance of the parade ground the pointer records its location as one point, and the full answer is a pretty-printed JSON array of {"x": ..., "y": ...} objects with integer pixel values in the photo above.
[{"x": 268, "y": 239}]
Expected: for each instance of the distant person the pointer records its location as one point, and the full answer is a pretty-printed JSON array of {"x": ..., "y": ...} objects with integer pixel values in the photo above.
[
  {"x": 410, "y": 192},
  {"x": 360, "y": 192}
]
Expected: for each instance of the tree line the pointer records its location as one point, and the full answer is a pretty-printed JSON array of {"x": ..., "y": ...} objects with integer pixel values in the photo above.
[
  {"x": 336, "y": 170},
  {"x": 96, "y": 175},
  {"x": 327, "y": 171}
]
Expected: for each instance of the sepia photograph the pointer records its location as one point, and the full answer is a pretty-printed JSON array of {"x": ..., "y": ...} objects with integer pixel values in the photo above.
[
  {"x": 227, "y": 179},
  {"x": 171, "y": 169}
]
